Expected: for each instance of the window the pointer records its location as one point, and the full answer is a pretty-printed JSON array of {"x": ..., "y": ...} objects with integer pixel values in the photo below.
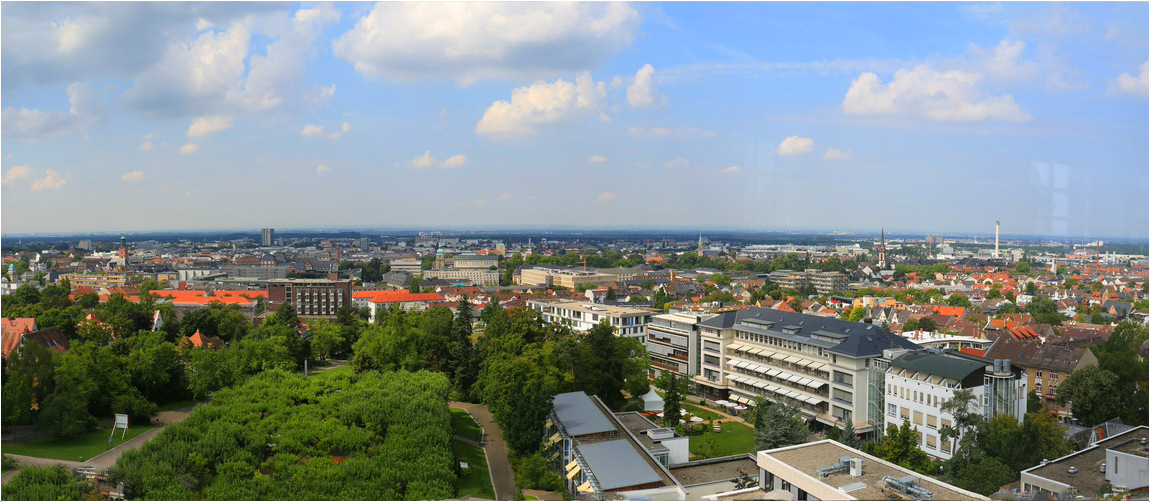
[
  {"x": 1038, "y": 387},
  {"x": 1053, "y": 390},
  {"x": 712, "y": 360},
  {"x": 931, "y": 442},
  {"x": 932, "y": 421},
  {"x": 845, "y": 379},
  {"x": 946, "y": 446},
  {"x": 1037, "y": 373},
  {"x": 904, "y": 413},
  {"x": 843, "y": 396},
  {"x": 711, "y": 346},
  {"x": 891, "y": 410},
  {"x": 1053, "y": 376},
  {"x": 946, "y": 423},
  {"x": 917, "y": 418}
]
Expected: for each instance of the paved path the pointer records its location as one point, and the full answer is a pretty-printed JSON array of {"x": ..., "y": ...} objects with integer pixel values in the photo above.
[
  {"x": 494, "y": 448},
  {"x": 108, "y": 458}
]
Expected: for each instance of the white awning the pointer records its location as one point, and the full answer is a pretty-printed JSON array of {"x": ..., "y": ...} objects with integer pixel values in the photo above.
[
  {"x": 791, "y": 377},
  {"x": 760, "y": 385},
  {"x": 773, "y": 373},
  {"x": 735, "y": 348},
  {"x": 742, "y": 364},
  {"x": 757, "y": 351}
]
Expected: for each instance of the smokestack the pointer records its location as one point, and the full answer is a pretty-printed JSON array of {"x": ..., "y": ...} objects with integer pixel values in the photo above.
[{"x": 996, "y": 238}]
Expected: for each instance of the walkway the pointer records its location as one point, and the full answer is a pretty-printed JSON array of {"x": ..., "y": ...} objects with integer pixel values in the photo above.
[
  {"x": 494, "y": 448},
  {"x": 108, "y": 458}
]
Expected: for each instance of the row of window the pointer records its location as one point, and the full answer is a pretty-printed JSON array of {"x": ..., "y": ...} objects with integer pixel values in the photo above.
[
  {"x": 1053, "y": 375},
  {"x": 913, "y": 395},
  {"x": 916, "y": 418},
  {"x": 778, "y": 342}
]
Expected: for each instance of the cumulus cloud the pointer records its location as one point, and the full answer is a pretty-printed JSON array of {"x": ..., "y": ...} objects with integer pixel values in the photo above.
[
  {"x": 16, "y": 173},
  {"x": 677, "y": 162},
  {"x": 204, "y": 126},
  {"x": 315, "y": 130},
  {"x": 422, "y": 161},
  {"x": 836, "y": 154},
  {"x": 541, "y": 105},
  {"x": 51, "y": 181},
  {"x": 133, "y": 176},
  {"x": 320, "y": 169},
  {"x": 732, "y": 169},
  {"x": 504, "y": 196},
  {"x": 595, "y": 159},
  {"x": 642, "y": 93},
  {"x": 1003, "y": 61},
  {"x": 147, "y": 146},
  {"x": 87, "y": 108},
  {"x": 608, "y": 196},
  {"x": 455, "y": 161},
  {"x": 795, "y": 145},
  {"x": 343, "y": 129},
  {"x": 189, "y": 148},
  {"x": 1138, "y": 85},
  {"x": 952, "y": 96},
  {"x": 468, "y": 41}
]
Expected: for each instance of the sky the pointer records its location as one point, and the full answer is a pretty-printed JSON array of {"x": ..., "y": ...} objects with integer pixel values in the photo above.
[{"x": 925, "y": 117}]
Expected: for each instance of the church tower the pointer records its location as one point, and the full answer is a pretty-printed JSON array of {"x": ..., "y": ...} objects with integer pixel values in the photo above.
[
  {"x": 700, "y": 244},
  {"x": 882, "y": 249}
]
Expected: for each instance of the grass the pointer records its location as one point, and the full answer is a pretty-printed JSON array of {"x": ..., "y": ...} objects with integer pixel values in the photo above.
[
  {"x": 736, "y": 438},
  {"x": 474, "y": 480},
  {"x": 529, "y": 497},
  {"x": 81, "y": 447},
  {"x": 331, "y": 371},
  {"x": 465, "y": 426},
  {"x": 700, "y": 411}
]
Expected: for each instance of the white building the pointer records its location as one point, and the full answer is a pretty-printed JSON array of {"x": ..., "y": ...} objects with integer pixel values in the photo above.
[
  {"x": 1120, "y": 461},
  {"x": 919, "y": 382},
  {"x": 582, "y": 316},
  {"x": 673, "y": 342}
]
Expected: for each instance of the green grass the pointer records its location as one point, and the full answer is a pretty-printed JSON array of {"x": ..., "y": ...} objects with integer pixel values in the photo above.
[
  {"x": 75, "y": 448},
  {"x": 465, "y": 426},
  {"x": 529, "y": 497},
  {"x": 700, "y": 411},
  {"x": 331, "y": 371},
  {"x": 736, "y": 438},
  {"x": 474, "y": 480}
]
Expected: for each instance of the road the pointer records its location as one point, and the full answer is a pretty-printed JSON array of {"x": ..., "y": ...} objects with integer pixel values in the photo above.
[{"x": 494, "y": 448}]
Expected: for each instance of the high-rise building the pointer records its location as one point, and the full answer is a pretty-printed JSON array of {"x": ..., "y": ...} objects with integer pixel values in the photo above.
[{"x": 267, "y": 237}]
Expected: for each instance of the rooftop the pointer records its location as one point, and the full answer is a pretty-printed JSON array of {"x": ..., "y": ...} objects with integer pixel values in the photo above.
[
  {"x": 944, "y": 365},
  {"x": 854, "y": 339},
  {"x": 715, "y": 469},
  {"x": 637, "y": 424},
  {"x": 598, "y": 308},
  {"x": 616, "y": 464},
  {"x": 1088, "y": 462},
  {"x": 579, "y": 415}
]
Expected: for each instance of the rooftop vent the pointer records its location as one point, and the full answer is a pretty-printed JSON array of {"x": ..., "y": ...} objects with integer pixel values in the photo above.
[
  {"x": 843, "y": 465},
  {"x": 1102, "y": 468},
  {"x": 909, "y": 486},
  {"x": 1072, "y": 469}
]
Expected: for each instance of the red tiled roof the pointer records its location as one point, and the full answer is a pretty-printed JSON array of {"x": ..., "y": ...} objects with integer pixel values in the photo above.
[
  {"x": 403, "y": 295},
  {"x": 199, "y": 340},
  {"x": 972, "y": 351},
  {"x": 19, "y": 324}
]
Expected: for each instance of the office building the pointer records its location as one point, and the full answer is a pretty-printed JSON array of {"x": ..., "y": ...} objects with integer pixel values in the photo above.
[
  {"x": 582, "y": 316},
  {"x": 673, "y": 342},
  {"x": 310, "y": 297},
  {"x": 1046, "y": 365},
  {"x": 268, "y": 237},
  {"x": 570, "y": 278}
]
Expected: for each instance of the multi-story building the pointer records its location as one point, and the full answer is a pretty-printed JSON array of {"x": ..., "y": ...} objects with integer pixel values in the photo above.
[
  {"x": 267, "y": 237},
  {"x": 582, "y": 316},
  {"x": 827, "y": 282},
  {"x": 410, "y": 264},
  {"x": 310, "y": 297},
  {"x": 97, "y": 280},
  {"x": 789, "y": 279},
  {"x": 377, "y": 300},
  {"x": 673, "y": 342},
  {"x": 1046, "y": 366},
  {"x": 1116, "y": 465},
  {"x": 918, "y": 383},
  {"x": 482, "y": 276},
  {"x": 570, "y": 278},
  {"x": 819, "y": 364},
  {"x": 475, "y": 261}
]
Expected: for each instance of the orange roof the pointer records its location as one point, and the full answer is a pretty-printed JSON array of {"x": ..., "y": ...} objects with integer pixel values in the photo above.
[
  {"x": 973, "y": 352},
  {"x": 19, "y": 324},
  {"x": 204, "y": 300},
  {"x": 403, "y": 295},
  {"x": 199, "y": 340}
]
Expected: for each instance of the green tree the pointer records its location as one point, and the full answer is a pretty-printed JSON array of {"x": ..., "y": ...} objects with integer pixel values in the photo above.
[
  {"x": 326, "y": 338},
  {"x": 44, "y": 483},
  {"x": 285, "y": 316},
  {"x": 602, "y": 369},
  {"x": 848, "y": 436},
  {"x": 674, "y": 391},
  {"x": 910, "y": 325},
  {"x": 1119, "y": 355},
  {"x": 857, "y": 313},
  {"x": 958, "y": 300},
  {"x": 927, "y": 324},
  {"x": 780, "y": 424},
  {"x": 984, "y": 476},
  {"x": 1023, "y": 267},
  {"x": 1093, "y": 393},
  {"x": 28, "y": 382},
  {"x": 900, "y": 446},
  {"x": 463, "y": 368},
  {"x": 414, "y": 286}
]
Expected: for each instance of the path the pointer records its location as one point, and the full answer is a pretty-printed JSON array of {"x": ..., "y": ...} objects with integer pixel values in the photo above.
[
  {"x": 108, "y": 458},
  {"x": 494, "y": 448}
]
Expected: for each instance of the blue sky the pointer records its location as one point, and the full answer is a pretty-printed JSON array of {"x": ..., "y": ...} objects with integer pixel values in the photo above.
[{"x": 934, "y": 117}]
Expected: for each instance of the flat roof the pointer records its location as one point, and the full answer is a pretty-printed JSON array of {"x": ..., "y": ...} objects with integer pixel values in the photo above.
[
  {"x": 579, "y": 415},
  {"x": 616, "y": 464},
  {"x": 717, "y": 469},
  {"x": 637, "y": 423},
  {"x": 1089, "y": 461},
  {"x": 809, "y": 457}
]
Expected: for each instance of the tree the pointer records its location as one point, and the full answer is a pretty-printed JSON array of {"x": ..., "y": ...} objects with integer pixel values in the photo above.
[
  {"x": 900, "y": 446},
  {"x": 1031, "y": 288},
  {"x": 414, "y": 286},
  {"x": 1023, "y": 267},
  {"x": 857, "y": 314},
  {"x": 44, "y": 483},
  {"x": 984, "y": 476},
  {"x": 780, "y": 424},
  {"x": 848, "y": 436},
  {"x": 286, "y": 316},
  {"x": 28, "y": 382},
  {"x": 602, "y": 369},
  {"x": 1093, "y": 392},
  {"x": 910, "y": 325},
  {"x": 958, "y": 300},
  {"x": 1118, "y": 355},
  {"x": 462, "y": 366},
  {"x": 674, "y": 390},
  {"x": 326, "y": 338},
  {"x": 927, "y": 324}
]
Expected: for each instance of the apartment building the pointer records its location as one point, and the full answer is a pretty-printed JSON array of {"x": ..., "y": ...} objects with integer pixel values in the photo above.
[
  {"x": 823, "y": 282},
  {"x": 410, "y": 264},
  {"x": 819, "y": 364},
  {"x": 567, "y": 277},
  {"x": 917, "y": 384},
  {"x": 310, "y": 297},
  {"x": 482, "y": 276},
  {"x": 96, "y": 280},
  {"x": 582, "y": 316},
  {"x": 673, "y": 342},
  {"x": 381, "y": 300},
  {"x": 1046, "y": 365}
]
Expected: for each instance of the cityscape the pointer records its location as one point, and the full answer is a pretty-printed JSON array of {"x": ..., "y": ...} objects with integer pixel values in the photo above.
[{"x": 575, "y": 251}]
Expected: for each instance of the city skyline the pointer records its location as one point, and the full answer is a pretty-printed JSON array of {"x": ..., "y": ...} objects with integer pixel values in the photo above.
[{"x": 940, "y": 117}]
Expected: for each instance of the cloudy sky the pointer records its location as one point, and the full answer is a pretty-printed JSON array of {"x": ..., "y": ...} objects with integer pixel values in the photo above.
[{"x": 936, "y": 117}]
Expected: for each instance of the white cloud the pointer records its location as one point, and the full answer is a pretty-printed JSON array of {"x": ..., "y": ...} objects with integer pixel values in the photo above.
[
  {"x": 504, "y": 196},
  {"x": 455, "y": 161},
  {"x": 468, "y": 41},
  {"x": 51, "y": 181},
  {"x": 1137, "y": 85},
  {"x": 147, "y": 146},
  {"x": 952, "y": 96},
  {"x": 677, "y": 162},
  {"x": 320, "y": 169},
  {"x": 608, "y": 196},
  {"x": 642, "y": 93},
  {"x": 732, "y": 169},
  {"x": 542, "y": 104},
  {"x": 595, "y": 159},
  {"x": 21, "y": 172},
  {"x": 422, "y": 161},
  {"x": 833, "y": 153},
  {"x": 795, "y": 145},
  {"x": 1003, "y": 61},
  {"x": 311, "y": 130},
  {"x": 189, "y": 149},
  {"x": 87, "y": 108},
  {"x": 343, "y": 129},
  {"x": 204, "y": 126},
  {"x": 132, "y": 177}
]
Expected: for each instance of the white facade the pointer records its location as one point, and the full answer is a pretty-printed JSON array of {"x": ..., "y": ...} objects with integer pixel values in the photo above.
[{"x": 582, "y": 316}]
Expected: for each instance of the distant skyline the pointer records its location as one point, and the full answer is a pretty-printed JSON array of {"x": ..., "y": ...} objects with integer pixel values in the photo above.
[{"x": 932, "y": 117}]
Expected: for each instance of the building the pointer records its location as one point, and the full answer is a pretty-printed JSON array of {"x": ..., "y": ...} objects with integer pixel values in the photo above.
[
  {"x": 52, "y": 338},
  {"x": 819, "y": 364},
  {"x": 567, "y": 277},
  {"x": 1046, "y": 366},
  {"x": 475, "y": 261},
  {"x": 410, "y": 264},
  {"x": 918, "y": 383},
  {"x": 828, "y": 470},
  {"x": 267, "y": 237},
  {"x": 673, "y": 342},
  {"x": 827, "y": 282},
  {"x": 97, "y": 280},
  {"x": 380, "y": 300},
  {"x": 582, "y": 316},
  {"x": 482, "y": 276},
  {"x": 1119, "y": 461},
  {"x": 606, "y": 456},
  {"x": 310, "y": 297}
]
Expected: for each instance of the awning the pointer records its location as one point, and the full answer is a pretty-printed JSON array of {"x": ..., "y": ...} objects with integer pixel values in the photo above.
[
  {"x": 773, "y": 373},
  {"x": 568, "y": 467},
  {"x": 554, "y": 438},
  {"x": 757, "y": 351},
  {"x": 573, "y": 472},
  {"x": 760, "y": 385},
  {"x": 818, "y": 366},
  {"x": 787, "y": 358},
  {"x": 791, "y": 377},
  {"x": 805, "y": 382},
  {"x": 735, "y": 348},
  {"x": 586, "y": 487},
  {"x": 548, "y": 423}
]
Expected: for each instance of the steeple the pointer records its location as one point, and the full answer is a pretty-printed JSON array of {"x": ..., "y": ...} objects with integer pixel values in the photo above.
[
  {"x": 700, "y": 244},
  {"x": 882, "y": 249}
]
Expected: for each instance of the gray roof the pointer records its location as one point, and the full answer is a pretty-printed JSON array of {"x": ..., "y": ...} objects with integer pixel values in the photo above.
[
  {"x": 856, "y": 339},
  {"x": 579, "y": 415},
  {"x": 944, "y": 365},
  {"x": 616, "y": 464}
]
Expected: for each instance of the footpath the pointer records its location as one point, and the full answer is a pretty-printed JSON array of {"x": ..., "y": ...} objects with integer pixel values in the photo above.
[{"x": 494, "y": 448}]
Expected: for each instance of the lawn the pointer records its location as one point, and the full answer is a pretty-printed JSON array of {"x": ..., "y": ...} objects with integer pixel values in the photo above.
[
  {"x": 75, "y": 448},
  {"x": 736, "y": 438},
  {"x": 331, "y": 371},
  {"x": 465, "y": 426},
  {"x": 473, "y": 480},
  {"x": 700, "y": 411}
]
